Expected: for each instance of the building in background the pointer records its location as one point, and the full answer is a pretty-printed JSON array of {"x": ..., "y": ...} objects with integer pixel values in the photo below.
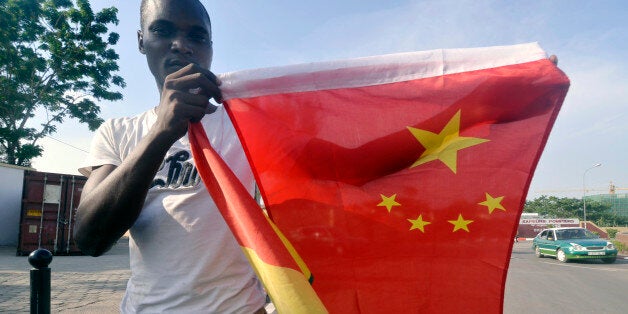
[
  {"x": 530, "y": 225},
  {"x": 618, "y": 202}
]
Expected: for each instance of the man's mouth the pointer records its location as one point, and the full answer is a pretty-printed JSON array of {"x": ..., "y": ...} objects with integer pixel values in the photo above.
[{"x": 176, "y": 63}]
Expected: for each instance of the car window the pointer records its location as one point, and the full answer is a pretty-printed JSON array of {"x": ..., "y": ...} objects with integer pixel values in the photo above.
[
  {"x": 577, "y": 234},
  {"x": 563, "y": 234},
  {"x": 543, "y": 234},
  {"x": 590, "y": 235}
]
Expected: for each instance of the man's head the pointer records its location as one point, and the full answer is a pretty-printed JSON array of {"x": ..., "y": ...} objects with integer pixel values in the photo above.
[{"x": 173, "y": 34}]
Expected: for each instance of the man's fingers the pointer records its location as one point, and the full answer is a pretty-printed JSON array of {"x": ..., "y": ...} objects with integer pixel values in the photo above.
[
  {"x": 191, "y": 107},
  {"x": 195, "y": 80},
  {"x": 200, "y": 101},
  {"x": 209, "y": 90},
  {"x": 210, "y": 108},
  {"x": 213, "y": 89},
  {"x": 195, "y": 68},
  {"x": 196, "y": 100},
  {"x": 554, "y": 59}
]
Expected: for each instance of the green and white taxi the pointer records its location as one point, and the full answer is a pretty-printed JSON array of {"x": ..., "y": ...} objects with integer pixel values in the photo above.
[{"x": 573, "y": 243}]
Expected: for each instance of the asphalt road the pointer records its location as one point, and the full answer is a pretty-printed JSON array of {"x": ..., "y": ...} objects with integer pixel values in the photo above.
[{"x": 545, "y": 285}]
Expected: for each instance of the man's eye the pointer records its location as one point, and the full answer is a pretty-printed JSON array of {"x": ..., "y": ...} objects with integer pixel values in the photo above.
[
  {"x": 161, "y": 31},
  {"x": 198, "y": 37}
]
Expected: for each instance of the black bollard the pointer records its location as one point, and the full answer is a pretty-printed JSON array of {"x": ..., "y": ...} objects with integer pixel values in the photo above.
[{"x": 40, "y": 281}]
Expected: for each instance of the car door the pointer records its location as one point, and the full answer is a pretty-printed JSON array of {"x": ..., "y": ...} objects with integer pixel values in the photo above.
[
  {"x": 541, "y": 241},
  {"x": 548, "y": 242},
  {"x": 552, "y": 242}
]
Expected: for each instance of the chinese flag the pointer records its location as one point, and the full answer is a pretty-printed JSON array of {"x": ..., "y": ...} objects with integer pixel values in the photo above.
[{"x": 400, "y": 179}]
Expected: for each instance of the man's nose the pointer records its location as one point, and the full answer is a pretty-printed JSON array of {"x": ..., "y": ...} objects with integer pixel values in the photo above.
[{"x": 181, "y": 45}]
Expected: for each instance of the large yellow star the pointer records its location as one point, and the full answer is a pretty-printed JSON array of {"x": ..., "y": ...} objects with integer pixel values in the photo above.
[
  {"x": 419, "y": 223},
  {"x": 493, "y": 203},
  {"x": 445, "y": 145},
  {"x": 460, "y": 223},
  {"x": 388, "y": 202}
]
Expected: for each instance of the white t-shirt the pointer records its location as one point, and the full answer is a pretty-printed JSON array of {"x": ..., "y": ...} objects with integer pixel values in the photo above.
[{"x": 183, "y": 256}]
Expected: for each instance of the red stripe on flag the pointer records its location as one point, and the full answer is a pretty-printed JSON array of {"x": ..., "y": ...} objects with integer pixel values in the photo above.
[
  {"x": 239, "y": 209},
  {"x": 276, "y": 263}
]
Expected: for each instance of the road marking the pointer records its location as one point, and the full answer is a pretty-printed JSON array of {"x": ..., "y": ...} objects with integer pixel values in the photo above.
[{"x": 586, "y": 267}]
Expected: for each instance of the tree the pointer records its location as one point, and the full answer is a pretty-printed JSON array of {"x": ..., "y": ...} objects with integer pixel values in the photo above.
[
  {"x": 554, "y": 207},
  {"x": 56, "y": 57}
]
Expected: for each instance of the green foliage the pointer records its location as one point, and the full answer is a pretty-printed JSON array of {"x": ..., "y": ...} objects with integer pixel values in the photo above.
[
  {"x": 555, "y": 207},
  {"x": 620, "y": 246},
  {"x": 56, "y": 57},
  {"x": 611, "y": 232}
]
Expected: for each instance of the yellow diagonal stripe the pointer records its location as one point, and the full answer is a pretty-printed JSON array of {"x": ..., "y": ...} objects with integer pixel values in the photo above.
[
  {"x": 288, "y": 288},
  {"x": 297, "y": 258}
]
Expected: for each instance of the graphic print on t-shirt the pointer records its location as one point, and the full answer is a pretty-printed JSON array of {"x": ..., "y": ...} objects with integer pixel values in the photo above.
[{"x": 177, "y": 171}]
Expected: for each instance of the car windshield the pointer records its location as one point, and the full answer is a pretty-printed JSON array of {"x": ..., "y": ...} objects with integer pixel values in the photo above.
[{"x": 575, "y": 234}]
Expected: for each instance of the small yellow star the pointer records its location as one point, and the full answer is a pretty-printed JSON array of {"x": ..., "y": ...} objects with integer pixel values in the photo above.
[
  {"x": 419, "y": 223},
  {"x": 460, "y": 223},
  {"x": 493, "y": 203},
  {"x": 388, "y": 202},
  {"x": 445, "y": 145}
]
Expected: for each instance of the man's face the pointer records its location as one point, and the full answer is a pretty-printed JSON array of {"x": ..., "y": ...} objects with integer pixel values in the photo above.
[{"x": 174, "y": 34}]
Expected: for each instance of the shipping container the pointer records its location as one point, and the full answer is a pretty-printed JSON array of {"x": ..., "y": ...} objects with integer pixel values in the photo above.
[
  {"x": 12, "y": 178},
  {"x": 49, "y": 203}
]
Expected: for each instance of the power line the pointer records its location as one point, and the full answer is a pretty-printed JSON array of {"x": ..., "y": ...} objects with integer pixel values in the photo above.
[{"x": 64, "y": 143}]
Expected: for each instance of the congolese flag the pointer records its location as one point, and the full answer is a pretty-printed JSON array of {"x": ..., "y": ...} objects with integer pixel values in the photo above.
[{"x": 399, "y": 179}]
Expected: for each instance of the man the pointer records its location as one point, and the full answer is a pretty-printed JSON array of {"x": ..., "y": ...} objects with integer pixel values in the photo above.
[{"x": 142, "y": 179}]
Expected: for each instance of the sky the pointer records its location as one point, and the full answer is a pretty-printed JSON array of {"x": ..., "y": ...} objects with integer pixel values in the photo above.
[{"x": 590, "y": 39}]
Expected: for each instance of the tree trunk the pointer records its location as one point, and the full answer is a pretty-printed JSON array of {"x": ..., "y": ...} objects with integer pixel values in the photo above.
[{"x": 11, "y": 154}]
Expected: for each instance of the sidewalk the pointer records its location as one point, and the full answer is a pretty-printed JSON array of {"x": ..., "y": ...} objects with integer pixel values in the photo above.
[{"x": 79, "y": 284}]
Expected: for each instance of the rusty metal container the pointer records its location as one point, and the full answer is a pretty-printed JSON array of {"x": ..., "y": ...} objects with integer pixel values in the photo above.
[{"x": 49, "y": 203}]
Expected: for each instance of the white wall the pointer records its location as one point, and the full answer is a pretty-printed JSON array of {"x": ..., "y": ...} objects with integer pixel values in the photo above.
[{"x": 11, "y": 182}]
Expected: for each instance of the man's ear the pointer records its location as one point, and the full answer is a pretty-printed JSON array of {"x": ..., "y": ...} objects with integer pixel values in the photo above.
[{"x": 140, "y": 42}]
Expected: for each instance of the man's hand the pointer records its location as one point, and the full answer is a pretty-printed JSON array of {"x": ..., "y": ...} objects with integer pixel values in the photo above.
[{"x": 184, "y": 98}]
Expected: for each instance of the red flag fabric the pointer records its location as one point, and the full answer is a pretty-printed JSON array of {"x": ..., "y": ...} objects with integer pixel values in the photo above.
[
  {"x": 400, "y": 179},
  {"x": 283, "y": 273}
]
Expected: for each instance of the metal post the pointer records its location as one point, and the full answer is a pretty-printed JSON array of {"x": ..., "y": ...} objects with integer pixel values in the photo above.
[
  {"x": 40, "y": 281},
  {"x": 67, "y": 246},
  {"x": 584, "y": 194},
  {"x": 58, "y": 215},
  {"x": 43, "y": 208}
]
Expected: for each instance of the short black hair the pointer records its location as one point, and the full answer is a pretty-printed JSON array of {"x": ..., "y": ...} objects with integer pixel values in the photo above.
[{"x": 145, "y": 3}]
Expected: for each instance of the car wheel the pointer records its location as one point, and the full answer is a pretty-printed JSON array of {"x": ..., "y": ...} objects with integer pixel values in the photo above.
[
  {"x": 609, "y": 260},
  {"x": 560, "y": 255},
  {"x": 537, "y": 252}
]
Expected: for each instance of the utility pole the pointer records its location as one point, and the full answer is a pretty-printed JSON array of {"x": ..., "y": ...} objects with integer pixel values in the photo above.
[{"x": 584, "y": 193}]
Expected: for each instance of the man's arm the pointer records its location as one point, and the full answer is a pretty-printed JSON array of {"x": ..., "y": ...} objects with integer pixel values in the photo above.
[{"x": 113, "y": 197}]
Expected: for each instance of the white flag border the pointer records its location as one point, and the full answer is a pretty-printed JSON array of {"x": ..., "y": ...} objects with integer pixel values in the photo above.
[{"x": 376, "y": 70}]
